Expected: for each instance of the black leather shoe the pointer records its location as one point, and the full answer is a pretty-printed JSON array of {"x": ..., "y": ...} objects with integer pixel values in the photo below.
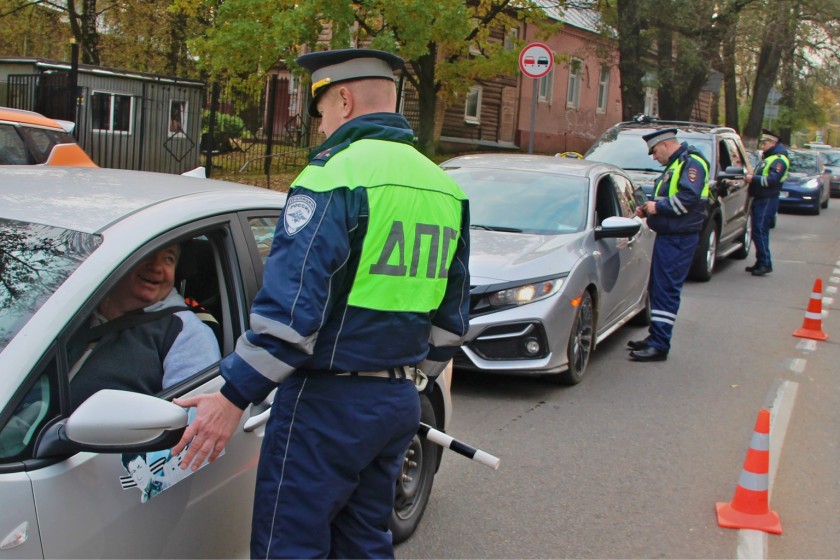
[
  {"x": 751, "y": 268},
  {"x": 762, "y": 270},
  {"x": 638, "y": 344},
  {"x": 649, "y": 354}
]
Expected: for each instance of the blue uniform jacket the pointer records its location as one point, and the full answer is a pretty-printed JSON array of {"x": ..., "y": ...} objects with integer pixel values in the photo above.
[
  {"x": 770, "y": 185},
  {"x": 300, "y": 318},
  {"x": 686, "y": 211}
]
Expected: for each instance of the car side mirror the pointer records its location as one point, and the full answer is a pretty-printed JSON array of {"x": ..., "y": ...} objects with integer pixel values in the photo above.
[
  {"x": 731, "y": 173},
  {"x": 114, "y": 421},
  {"x": 617, "y": 227}
]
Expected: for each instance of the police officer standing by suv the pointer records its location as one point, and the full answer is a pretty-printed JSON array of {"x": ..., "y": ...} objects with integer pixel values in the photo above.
[
  {"x": 365, "y": 294},
  {"x": 676, "y": 215},
  {"x": 764, "y": 188}
]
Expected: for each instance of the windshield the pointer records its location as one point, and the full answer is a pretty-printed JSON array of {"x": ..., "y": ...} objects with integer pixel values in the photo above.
[
  {"x": 523, "y": 201},
  {"x": 34, "y": 261},
  {"x": 630, "y": 152},
  {"x": 805, "y": 163}
]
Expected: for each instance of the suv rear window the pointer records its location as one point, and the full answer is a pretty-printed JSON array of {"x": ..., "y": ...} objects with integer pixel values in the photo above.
[{"x": 34, "y": 261}]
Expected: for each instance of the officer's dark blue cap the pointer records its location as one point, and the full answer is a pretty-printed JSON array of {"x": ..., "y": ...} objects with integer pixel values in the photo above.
[
  {"x": 767, "y": 135},
  {"x": 332, "y": 67},
  {"x": 658, "y": 136}
]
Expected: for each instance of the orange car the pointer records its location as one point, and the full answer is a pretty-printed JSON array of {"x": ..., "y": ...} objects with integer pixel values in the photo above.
[{"x": 29, "y": 138}]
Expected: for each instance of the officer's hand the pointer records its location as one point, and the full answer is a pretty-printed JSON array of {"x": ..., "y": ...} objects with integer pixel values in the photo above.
[
  {"x": 640, "y": 211},
  {"x": 215, "y": 421},
  {"x": 650, "y": 207},
  {"x": 748, "y": 178}
]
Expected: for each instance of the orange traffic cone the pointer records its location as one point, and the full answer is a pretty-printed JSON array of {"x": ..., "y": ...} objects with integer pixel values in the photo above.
[
  {"x": 812, "y": 325},
  {"x": 749, "y": 508}
]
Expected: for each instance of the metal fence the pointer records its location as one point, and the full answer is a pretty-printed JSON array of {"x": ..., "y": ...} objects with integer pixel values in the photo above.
[{"x": 235, "y": 135}]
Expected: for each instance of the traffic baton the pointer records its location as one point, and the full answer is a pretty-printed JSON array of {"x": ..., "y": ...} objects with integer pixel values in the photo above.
[{"x": 440, "y": 438}]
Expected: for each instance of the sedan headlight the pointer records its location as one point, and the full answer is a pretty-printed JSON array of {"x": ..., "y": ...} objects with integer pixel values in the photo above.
[
  {"x": 527, "y": 293},
  {"x": 811, "y": 184}
]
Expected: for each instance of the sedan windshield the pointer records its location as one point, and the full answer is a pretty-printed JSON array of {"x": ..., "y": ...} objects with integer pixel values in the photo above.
[
  {"x": 523, "y": 201},
  {"x": 805, "y": 163},
  {"x": 630, "y": 152},
  {"x": 34, "y": 261}
]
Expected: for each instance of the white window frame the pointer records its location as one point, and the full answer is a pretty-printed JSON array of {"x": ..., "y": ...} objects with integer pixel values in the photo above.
[
  {"x": 603, "y": 89},
  {"x": 510, "y": 39},
  {"x": 469, "y": 117},
  {"x": 182, "y": 133},
  {"x": 546, "y": 87},
  {"x": 573, "y": 89},
  {"x": 111, "y": 95}
]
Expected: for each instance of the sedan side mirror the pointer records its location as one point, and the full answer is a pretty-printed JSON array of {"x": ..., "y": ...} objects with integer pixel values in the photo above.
[
  {"x": 617, "y": 227},
  {"x": 113, "y": 421}
]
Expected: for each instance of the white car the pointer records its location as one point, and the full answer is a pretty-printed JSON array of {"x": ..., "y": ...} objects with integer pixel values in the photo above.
[{"x": 69, "y": 482}]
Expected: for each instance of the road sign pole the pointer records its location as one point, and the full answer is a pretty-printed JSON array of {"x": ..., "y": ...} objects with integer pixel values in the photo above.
[{"x": 533, "y": 116}]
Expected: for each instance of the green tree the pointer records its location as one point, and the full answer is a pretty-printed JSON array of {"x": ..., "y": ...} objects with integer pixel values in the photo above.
[
  {"x": 28, "y": 29},
  {"x": 447, "y": 43}
]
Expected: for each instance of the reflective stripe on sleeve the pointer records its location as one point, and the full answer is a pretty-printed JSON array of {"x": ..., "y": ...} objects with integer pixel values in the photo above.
[
  {"x": 261, "y": 360},
  {"x": 263, "y": 325},
  {"x": 442, "y": 337}
]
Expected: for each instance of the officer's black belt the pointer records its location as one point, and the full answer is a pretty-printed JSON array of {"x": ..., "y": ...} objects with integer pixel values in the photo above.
[{"x": 402, "y": 372}]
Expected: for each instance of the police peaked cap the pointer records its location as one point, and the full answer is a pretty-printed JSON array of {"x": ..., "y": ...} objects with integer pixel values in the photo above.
[
  {"x": 658, "y": 136},
  {"x": 769, "y": 135},
  {"x": 332, "y": 67}
]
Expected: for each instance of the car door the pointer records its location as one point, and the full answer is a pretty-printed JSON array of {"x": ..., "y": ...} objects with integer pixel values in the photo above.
[
  {"x": 636, "y": 275},
  {"x": 613, "y": 257},
  {"x": 91, "y": 505},
  {"x": 734, "y": 193}
]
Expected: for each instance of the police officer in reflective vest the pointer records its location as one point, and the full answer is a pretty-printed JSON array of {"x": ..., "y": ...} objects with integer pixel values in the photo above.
[
  {"x": 764, "y": 188},
  {"x": 365, "y": 294},
  {"x": 676, "y": 215}
]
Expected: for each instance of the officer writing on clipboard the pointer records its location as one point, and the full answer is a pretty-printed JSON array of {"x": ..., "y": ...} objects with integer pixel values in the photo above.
[
  {"x": 365, "y": 294},
  {"x": 676, "y": 215}
]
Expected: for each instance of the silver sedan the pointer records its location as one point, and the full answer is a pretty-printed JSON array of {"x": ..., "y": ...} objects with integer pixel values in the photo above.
[
  {"x": 558, "y": 262},
  {"x": 98, "y": 482}
]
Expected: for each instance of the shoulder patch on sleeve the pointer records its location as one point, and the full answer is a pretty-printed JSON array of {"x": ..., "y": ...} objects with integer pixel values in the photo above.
[
  {"x": 692, "y": 174},
  {"x": 299, "y": 210},
  {"x": 779, "y": 167}
]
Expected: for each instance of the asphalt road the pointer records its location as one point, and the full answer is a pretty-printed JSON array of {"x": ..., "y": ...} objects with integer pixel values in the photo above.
[{"x": 630, "y": 463}]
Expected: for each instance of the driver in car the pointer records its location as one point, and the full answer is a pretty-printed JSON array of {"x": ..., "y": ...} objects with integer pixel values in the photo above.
[{"x": 142, "y": 337}]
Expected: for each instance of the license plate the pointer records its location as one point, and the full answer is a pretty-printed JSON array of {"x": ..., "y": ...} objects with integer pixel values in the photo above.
[{"x": 783, "y": 194}]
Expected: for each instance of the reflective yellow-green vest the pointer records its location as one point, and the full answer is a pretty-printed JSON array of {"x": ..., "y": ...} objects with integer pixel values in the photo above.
[
  {"x": 676, "y": 167},
  {"x": 768, "y": 165},
  {"x": 413, "y": 228}
]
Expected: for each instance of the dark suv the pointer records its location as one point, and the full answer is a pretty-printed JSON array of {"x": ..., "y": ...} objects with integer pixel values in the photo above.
[{"x": 728, "y": 227}]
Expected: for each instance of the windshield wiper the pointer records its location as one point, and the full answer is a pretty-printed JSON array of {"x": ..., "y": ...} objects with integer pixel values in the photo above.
[{"x": 495, "y": 228}]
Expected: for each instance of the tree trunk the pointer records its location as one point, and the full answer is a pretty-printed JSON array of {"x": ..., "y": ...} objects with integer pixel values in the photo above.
[
  {"x": 667, "y": 89},
  {"x": 631, "y": 51},
  {"x": 730, "y": 84},
  {"x": 427, "y": 90},
  {"x": 776, "y": 40},
  {"x": 90, "y": 36}
]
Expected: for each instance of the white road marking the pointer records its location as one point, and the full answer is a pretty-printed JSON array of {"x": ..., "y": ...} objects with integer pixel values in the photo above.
[
  {"x": 831, "y": 289},
  {"x": 807, "y": 345},
  {"x": 797, "y": 365}
]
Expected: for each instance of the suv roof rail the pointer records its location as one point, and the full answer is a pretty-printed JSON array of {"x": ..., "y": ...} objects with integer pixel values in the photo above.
[{"x": 647, "y": 119}]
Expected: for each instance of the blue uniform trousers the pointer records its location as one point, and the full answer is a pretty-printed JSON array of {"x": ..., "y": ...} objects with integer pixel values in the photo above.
[
  {"x": 328, "y": 467},
  {"x": 763, "y": 211},
  {"x": 672, "y": 256}
]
